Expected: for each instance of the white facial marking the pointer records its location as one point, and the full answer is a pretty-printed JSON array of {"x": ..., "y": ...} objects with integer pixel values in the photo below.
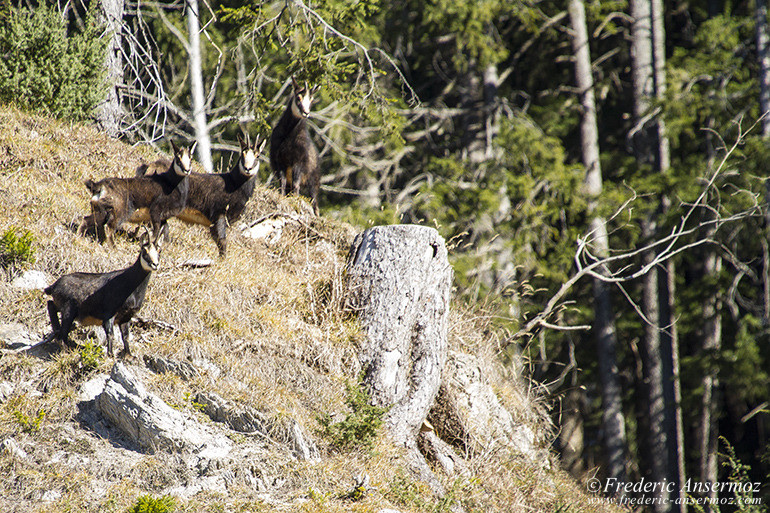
[
  {"x": 306, "y": 100},
  {"x": 249, "y": 161},
  {"x": 97, "y": 195},
  {"x": 150, "y": 258},
  {"x": 185, "y": 161}
]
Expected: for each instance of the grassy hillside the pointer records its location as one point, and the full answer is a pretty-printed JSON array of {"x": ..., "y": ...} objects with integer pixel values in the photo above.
[{"x": 266, "y": 329}]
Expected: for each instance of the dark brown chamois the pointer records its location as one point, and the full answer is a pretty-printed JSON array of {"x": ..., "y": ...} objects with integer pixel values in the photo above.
[
  {"x": 154, "y": 198},
  {"x": 102, "y": 298},
  {"x": 218, "y": 200},
  {"x": 293, "y": 156}
]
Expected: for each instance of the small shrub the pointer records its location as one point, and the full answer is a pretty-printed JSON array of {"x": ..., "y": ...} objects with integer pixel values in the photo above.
[
  {"x": 148, "y": 504},
  {"x": 91, "y": 356},
  {"x": 16, "y": 248},
  {"x": 29, "y": 424},
  {"x": 360, "y": 427}
]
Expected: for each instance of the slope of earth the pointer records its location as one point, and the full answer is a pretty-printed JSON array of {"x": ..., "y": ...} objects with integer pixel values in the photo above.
[{"x": 264, "y": 332}]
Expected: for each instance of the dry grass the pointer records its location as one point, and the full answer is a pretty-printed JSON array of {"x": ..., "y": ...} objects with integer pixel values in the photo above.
[{"x": 269, "y": 318}]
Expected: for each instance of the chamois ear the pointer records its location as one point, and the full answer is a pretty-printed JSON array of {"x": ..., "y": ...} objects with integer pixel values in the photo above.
[
  {"x": 258, "y": 151},
  {"x": 294, "y": 83},
  {"x": 314, "y": 89},
  {"x": 192, "y": 148},
  {"x": 244, "y": 143},
  {"x": 144, "y": 239},
  {"x": 174, "y": 147}
]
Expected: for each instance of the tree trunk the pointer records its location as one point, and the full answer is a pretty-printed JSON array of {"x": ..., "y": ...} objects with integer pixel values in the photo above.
[
  {"x": 650, "y": 150},
  {"x": 196, "y": 88},
  {"x": 613, "y": 422},
  {"x": 399, "y": 280},
  {"x": 712, "y": 342},
  {"x": 763, "y": 57},
  {"x": 109, "y": 112},
  {"x": 666, "y": 280}
]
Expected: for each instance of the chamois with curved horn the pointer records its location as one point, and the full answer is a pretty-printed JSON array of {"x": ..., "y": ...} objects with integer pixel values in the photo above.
[
  {"x": 293, "y": 156},
  {"x": 218, "y": 200}
]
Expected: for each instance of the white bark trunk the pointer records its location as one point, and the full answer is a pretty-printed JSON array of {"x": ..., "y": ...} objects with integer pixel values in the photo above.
[{"x": 196, "y": 88}]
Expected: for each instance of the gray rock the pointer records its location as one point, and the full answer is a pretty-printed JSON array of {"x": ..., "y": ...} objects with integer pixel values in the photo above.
[
  {"x": 468, "y": 413},
  {"x": 6, "y": 389},
  {"x": 160, "y": 365},
  {"x": 151, "y": 423},
  {"x": 249, "y": 420},
  {"x": 30, "y": 280},
  {"x": 11, "y": 447},
  {"x": 16, "y": 336}
]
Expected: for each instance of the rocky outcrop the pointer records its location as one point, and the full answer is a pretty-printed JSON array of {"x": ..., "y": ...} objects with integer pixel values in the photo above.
[
  {"x": 249, "y": 420},
  {"x": 468, "y": 414},
  {"x": 148, "y": 421}
]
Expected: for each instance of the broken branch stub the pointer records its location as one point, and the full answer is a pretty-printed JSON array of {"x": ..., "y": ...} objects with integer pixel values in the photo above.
[{"x": 399, "y": 282}]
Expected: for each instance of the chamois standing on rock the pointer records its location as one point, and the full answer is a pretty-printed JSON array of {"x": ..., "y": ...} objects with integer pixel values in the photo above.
[
  {"x": 293, "y": 156},
  {"x": 217, "y": 200},
  {"x": 102, "y": 298},
  {"x": 154, "y": 198}
]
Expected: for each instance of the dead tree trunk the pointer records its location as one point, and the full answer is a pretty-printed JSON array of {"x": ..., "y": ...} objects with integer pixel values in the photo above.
[
  {"x": 399, "y": 280},
  {"x": 196, "y": 88},
  {"x": 109, "y": 112}
]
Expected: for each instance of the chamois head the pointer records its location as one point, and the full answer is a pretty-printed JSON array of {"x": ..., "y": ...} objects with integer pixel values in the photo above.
[
  {"x": 149, "y": 255},
  {"x": 302, "y": 99},
  {"x": 249, "y": 161},
  {"x": 182, "y": 159}
]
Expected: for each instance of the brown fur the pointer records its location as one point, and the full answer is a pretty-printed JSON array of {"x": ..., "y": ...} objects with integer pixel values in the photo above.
[
  {"x": 154, "y": 198},
  {"x": 293, "y": 156},
  {"x": 217, "y": 200}
]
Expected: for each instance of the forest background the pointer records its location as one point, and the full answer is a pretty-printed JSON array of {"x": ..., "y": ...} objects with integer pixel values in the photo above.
[{"x": 597, "y": 166}]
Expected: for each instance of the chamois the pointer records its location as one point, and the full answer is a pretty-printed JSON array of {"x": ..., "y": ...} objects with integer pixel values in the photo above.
[
  {"x": 102, "y": 298},
  {"x": 293, "y": 156},
  {"x": 154, "y": 198},
  {"x": 217, "y": 200}
]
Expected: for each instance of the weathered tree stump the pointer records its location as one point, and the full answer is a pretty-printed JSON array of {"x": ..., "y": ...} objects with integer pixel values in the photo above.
[{"x": 399, "y": 281}]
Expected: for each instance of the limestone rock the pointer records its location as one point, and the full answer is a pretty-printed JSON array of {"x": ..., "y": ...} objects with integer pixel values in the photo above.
[
  {"x": 160, "y": 365},
  {"x": 249, "y": 420},
  {"x": 468, "y": 414},
  {"x": 30, "y": 280},
  {"x": 16, "y": 336},
  {"x": 151, "y": 423}
]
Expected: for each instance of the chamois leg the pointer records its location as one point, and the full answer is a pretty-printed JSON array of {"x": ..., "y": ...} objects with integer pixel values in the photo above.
[
  {"x": 315, "y": 185},
  {"x": 219, "y": 234},
  {"x": 297, "y": 172},
  {"x": 53, "y": 313},
  {"x": 68, "y": 314},
  {"x": 107, "y": 324},
  {"x": 285, "y": 181},
  {"x": 124, "y": 335}
]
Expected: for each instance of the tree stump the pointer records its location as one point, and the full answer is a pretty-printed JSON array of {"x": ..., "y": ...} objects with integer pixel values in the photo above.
[{"x": 399, "y": 281}]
